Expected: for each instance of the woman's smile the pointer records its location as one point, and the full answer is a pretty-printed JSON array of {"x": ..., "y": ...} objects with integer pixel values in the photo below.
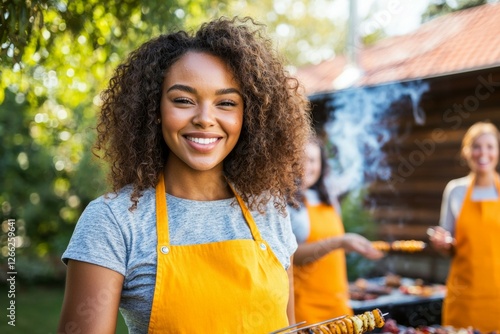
[{"x": 202, "y": 143}]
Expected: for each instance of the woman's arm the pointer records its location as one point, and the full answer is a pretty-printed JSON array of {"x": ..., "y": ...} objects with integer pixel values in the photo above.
[
  {"x": 312, "y": 251},
  {"x": 350, "y": 242},
  {"x": 451, "y": 194},
  {"x": 91, "y": 299},
  {"x": 290, "y": 311},
  {"x": 441, "y": 236}
]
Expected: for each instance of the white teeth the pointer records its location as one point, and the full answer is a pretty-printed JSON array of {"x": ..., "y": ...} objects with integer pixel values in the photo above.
[{"x": 203, "y": 141}]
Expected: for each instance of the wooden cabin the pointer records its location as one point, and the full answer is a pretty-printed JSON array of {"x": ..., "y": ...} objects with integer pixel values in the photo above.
[{"x": 457, "y": 58}]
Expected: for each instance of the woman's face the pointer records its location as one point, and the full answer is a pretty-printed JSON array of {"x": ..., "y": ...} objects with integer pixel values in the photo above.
[
  {"x": 201, "y": 112},
  {"x": 312, "y": 168},
  {"x": 483, "y": 157}
]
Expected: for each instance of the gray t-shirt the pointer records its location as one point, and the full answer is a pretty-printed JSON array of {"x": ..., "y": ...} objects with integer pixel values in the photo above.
[{"x": 109, "y": 235}]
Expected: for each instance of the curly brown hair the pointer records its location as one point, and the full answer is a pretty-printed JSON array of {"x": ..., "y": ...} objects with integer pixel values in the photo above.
[{"x": 266, "y": 161}]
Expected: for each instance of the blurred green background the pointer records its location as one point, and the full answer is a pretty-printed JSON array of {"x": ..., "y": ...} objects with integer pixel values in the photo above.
[{"x": 55, "y": 58}]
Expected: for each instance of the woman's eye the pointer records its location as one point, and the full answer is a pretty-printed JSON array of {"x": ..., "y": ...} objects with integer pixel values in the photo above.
[
  {"x": 182, "y": 100},
  {"x": 227, "y": 103}
]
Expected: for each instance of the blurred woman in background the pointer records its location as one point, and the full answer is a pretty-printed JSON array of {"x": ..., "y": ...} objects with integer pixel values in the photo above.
[
  {"x": 320, "y": 273},
  {"x": 470, "y": 232}
]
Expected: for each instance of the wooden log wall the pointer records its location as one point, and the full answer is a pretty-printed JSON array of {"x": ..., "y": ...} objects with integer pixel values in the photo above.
[{"x": 423, "y": 158}]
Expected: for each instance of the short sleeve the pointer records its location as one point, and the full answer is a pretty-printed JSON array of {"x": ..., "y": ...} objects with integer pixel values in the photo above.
[
  {"x": 98, "y": 239},
  {"x": 446, "y": 219},
  {"x": 453, "y": 197},
  {"x": 276, "y": 229},
  {"x": 289, "y": 238}
]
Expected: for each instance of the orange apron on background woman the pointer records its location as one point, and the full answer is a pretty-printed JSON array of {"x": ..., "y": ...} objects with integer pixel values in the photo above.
[
  {"x": 473, "y": 284},
  {"x": 233, "y": 286},
  {"x": 321, "y": 287}
]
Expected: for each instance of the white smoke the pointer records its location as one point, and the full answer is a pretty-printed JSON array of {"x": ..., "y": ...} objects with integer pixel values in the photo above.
[{"x": 357, "y": 130}]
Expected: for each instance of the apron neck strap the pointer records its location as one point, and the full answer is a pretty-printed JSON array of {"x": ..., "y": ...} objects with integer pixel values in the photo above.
[
  {"x": 161, "y": 212},
  {"x": 162, "y": 216},
  {"x": 248, "y": 216}
]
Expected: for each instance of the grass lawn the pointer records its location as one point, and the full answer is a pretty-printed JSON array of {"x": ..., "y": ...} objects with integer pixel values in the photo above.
[{"x": 37, "y": 310}]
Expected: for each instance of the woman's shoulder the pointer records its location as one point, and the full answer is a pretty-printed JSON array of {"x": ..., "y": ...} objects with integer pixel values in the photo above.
[
  {"x": 114, "y": 212},
  {"x": 458, "y": 185},
  {"x": 461, "y": 181},
  {"x": 121, "y": 199}
]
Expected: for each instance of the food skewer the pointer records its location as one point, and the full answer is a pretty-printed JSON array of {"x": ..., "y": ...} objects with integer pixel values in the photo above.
[
  {"x": 317, "y": 324},
  {"x": 357, "y": 324},
  {"x": 288, "y": 327},
  {"x": 410, "y": 246}
]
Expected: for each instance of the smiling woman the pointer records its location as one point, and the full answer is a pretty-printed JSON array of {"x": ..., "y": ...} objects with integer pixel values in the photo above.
[
  {"x": 195, "y": 235},
  {"x": 470, "y": 231}
]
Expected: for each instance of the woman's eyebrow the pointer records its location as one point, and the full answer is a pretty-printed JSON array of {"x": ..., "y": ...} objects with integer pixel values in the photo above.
[
  {"x": 228, "y": 91},
  {"x": 191, "y": 90},
  {"x": 183, "y": 88}
]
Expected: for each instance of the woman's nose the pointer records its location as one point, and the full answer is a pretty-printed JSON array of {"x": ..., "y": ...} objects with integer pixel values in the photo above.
[{"x": 205, "y": 116}]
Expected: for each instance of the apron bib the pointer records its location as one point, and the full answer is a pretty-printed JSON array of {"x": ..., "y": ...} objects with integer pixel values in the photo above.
[
  {"x": 473, "y": 284},
  {"x": 234, "y": 286},
  {"x": 321, "y": 287}
]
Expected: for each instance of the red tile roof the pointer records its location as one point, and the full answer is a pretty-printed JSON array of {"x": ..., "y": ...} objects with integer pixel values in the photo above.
[{"x": 457, "y": 42}]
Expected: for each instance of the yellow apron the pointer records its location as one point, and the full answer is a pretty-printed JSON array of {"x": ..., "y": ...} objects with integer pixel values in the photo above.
[
  {"x": 234, "y": 286},
  {"x": 321, "y": 287},
  {"x": 473, "y": 284}
]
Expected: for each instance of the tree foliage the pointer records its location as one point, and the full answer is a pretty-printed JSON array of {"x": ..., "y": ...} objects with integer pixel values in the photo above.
[
  {"x": 18, "y": 21},
  {"x": 39, "y": 22},
  {"x": 441, "y": 7}
]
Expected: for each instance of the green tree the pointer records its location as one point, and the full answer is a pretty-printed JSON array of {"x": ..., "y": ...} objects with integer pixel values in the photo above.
[
  {"x": 37, "y": 23},
  {"x": 18, "y": 20}
]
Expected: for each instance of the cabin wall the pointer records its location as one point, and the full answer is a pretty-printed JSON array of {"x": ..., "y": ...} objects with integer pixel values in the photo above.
[{"x": 423, "y": 158}]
